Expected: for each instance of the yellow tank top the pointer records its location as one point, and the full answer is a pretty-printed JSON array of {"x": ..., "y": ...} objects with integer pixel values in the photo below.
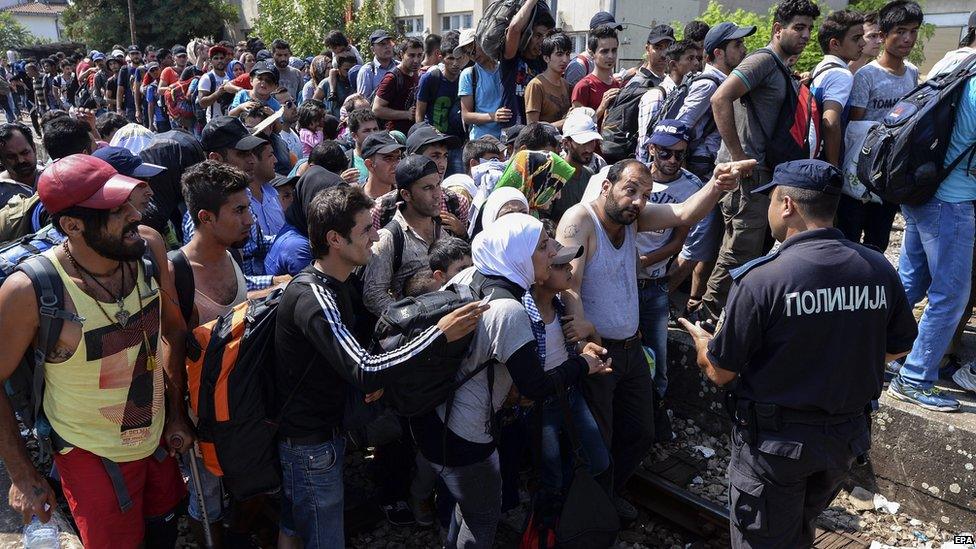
[{"x": 107, "y": 398}]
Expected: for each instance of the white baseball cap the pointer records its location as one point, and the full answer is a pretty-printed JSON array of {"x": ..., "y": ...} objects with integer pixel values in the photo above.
[
  {"x": 466, "y": 39},
  {"x": 580, "y": 128}
]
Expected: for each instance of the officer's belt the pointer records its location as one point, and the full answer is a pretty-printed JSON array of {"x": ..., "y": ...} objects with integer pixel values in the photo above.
[{"x": 771, "y": 417}]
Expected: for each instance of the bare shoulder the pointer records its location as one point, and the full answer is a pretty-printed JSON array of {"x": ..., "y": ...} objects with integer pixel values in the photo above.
[
  {"x": 155, "y": 242},
  {"x": 18, "y": 300},
  {"x": 575, "y": 225}
]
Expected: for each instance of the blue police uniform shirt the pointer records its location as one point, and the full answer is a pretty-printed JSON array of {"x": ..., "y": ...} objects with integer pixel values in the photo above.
[{"x": 807, "y": 327}]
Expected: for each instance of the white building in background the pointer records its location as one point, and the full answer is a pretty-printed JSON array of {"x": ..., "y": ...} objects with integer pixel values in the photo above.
[
  {"x": 42, "y": 19},
  {"x": 950, "y": 18}
]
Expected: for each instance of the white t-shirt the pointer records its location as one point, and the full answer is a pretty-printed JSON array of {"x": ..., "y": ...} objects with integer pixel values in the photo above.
[
  {"x": 208, "y": 85},
  {"x": 877, "y": 90},
  {"x": 836, "y": 82},
  {"x": 950, "y": 60},
  {"x": 675, "y": 192},
  {"x": 555, "y": 345}
]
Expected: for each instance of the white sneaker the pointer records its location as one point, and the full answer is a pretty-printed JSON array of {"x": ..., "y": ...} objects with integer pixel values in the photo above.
[{"x": 965, "y": 377}]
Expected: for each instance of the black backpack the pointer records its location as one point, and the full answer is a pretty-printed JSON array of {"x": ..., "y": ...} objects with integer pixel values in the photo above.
[
  {"x": 620, "y": 122},
  {"x": 673, "y": 102},
  {"x": 433, "y": 381},
  {"x": 796, "y": 134},
  {"x": 903, "y": 159},
  {"x": 497, "y": 17}
]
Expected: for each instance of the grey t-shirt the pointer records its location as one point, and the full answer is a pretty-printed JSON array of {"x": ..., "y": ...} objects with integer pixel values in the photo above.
[
  {"x": 291, "y": 79},
  {"x": 756, "y": 117},
  {"x": 877, "y": 90},
  {"x": 503, "y": 329}
]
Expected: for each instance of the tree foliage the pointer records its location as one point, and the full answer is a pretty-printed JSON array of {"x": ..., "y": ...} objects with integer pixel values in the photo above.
[
  {"x": 812, "y": 54},
  {"x": 102, "y": 23},
  {"x": 13, "y": 35},
  {"x": 924, "y": 33},
  {"x": 304, "y": 23},
  {"x": 301, "y": 23}
]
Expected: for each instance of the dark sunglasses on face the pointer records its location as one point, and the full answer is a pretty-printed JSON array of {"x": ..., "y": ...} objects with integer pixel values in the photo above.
[{"x": 666, "y": 154}]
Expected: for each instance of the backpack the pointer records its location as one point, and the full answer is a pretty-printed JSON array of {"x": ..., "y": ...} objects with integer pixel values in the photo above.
[
  {"x": 903, "y": 159},
  {"x": 494, "y": 23},
  {"x": 676, "y": 99},
  {"x": 20, "y": 217},
  {"x": 177, "y": 100},
  {"x": 796, "y": 134},
  {"x": 193, "y": 93},
  {"x": 84, "y": 98},
  {"x": 620, "y": 122},
  {"x": 230, "y": 376},
  {"x": 25, "y": 386},
  {"x": 432, "y": 382}
]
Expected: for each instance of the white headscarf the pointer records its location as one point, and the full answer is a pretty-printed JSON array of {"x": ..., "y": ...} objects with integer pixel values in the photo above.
[
  {"x": 505, "y": 249},
  {"x": 134, "y": 137},
  {"x": 461, "y": 180},
  {"x": 498, "y": 198}
]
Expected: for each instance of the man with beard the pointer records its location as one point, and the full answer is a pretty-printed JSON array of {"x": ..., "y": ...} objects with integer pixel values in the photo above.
[
  {"x": 115, "y": 430},
  {"x": 418, "y": 219},
  {"x": 580, "y": 142},
  {"x": 603, "y": 301},
  {"x": 217, "y": 201},
  {"x": 288, "y": 76},
  {"x": 211, "y": 93},
  {"x": 743, "y": 122},
  {"x": 396, "y": 97},
  {"x": 18, "y": 158},
  {"x": 668, "y": 149}
]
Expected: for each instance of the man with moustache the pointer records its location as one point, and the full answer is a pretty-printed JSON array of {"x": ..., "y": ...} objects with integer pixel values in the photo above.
[
  {"x": 113, "y": 383},
  {"x": 607, "y": 229},
  {"x": 18, "y": 158},
  {"x": 396, "y": 96},
  {"x": 743, "y": 122},
  {"x": 580, "y": 142}
]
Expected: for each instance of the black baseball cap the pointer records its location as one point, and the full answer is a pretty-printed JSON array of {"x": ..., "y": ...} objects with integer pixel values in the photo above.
[
  {"x": 412, "y": 168},
  {"x": 178, "y": 50},
  {"x": 380, "y": 143},
  {"x": 282, "y": 180},
  {"x": 262, "y": 68},
  {"x": 424, "y": 134},
  {"x": 604, "y": 19},
  {"x": 127, "y": 163},
  {"x": 378, "y": 36},
  {"x": 227, "y": 132},
  {"x": 660, "y": 32},
  {"x": 510, "y": 133},
  {"x": 134, "y": 49},
  {"x": 815, "y": 175},
  {"x": 725, "y": 31}
]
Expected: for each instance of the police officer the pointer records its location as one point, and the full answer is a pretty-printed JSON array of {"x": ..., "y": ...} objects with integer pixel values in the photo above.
[{"x": 803, "y": 341}]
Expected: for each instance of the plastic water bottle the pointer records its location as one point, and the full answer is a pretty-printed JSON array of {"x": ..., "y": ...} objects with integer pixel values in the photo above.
[{"x": 38, "y": 535}]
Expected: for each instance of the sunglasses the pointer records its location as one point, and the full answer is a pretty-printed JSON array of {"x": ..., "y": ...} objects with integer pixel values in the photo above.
[{"x": 666, "y": 154}]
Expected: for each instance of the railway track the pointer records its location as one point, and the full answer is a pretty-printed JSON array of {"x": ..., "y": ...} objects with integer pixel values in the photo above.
[{"x": 706, "y": 520}]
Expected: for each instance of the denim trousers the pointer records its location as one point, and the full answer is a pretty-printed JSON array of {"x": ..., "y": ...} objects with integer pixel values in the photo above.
[
  {"x": 312, "y": 480},
  {"x": 455, "y": 163},
  {"x": 210, "y": 486},
  {"x": 556, "y": 474},
  {"x": 477, "y": 489},
  {"x": 653, "y": 299},
  {"x": 937, "y": 260}
]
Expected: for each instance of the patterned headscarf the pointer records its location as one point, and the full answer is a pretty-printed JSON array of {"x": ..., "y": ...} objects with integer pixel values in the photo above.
[{"x": 539, "y": 175}]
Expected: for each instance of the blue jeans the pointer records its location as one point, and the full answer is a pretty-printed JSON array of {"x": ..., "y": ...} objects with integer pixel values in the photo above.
[
  {"x": 653, "y": 299},
  {"x": 212, "y": 488},
  {"x": 455, "y": 163},
  {"x": 594, "y": 448},
  {"x": 8, "y": 107},
  {"x": 477, "y": 489},
  {"x": 312, "y": 481},
  {"x": 936, "y": 259}
]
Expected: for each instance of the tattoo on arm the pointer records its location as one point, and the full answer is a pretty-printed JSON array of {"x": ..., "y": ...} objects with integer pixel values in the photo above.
[
  {"x": 570, "y": 231},
  {"x": 60, "y": 353}
]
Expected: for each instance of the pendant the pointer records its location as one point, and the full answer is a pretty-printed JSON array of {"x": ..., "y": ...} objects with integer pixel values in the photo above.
[{"x": 122, "y": 316}]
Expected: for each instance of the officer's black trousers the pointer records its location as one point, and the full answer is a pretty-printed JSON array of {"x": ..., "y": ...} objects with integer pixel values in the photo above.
[{"x": 780, "y": 484}]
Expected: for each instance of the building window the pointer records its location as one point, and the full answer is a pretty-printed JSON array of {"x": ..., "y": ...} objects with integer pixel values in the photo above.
[
  {"x": 579, "y": 42},
  {"x": 457, "y": 21},
  {"x": 410, "y": 26}
]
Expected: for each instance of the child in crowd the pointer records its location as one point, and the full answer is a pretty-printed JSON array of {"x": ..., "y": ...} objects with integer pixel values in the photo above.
[{"x": 311, "y": 121}]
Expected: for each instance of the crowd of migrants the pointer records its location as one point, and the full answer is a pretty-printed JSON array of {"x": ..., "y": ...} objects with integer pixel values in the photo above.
[{"x": 184, "y": 181}]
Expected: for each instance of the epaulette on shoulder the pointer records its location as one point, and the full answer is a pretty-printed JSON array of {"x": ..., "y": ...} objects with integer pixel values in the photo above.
[{"x": 740, "y": 272}]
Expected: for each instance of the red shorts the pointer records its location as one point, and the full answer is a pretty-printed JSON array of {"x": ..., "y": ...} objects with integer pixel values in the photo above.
[{"x": 155, "y": 488}]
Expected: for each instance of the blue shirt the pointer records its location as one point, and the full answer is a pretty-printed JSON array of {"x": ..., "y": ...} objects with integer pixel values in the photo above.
[
  {"x": 268, "y": 211},
  {"x": 487, "y": 97},
  {"x": 289, "y": 254},
  {"x": 960, "y": 185},
  {"x": 244, "y": 96},
  {"x": 151, "y": 91}
]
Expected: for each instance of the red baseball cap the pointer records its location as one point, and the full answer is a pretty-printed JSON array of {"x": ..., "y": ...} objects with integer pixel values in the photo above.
[{"x": 83, "y": 180}]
